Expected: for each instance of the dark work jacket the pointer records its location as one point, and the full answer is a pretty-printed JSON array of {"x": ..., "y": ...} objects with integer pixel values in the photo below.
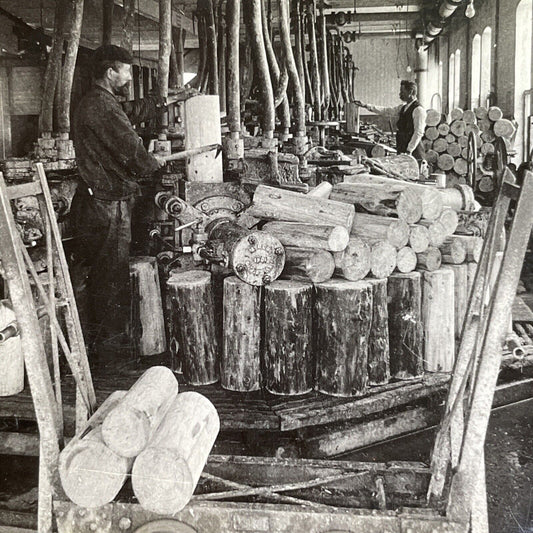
[
  {"x": 109, "y": 152},
  {"x": 406, "y": 128}
]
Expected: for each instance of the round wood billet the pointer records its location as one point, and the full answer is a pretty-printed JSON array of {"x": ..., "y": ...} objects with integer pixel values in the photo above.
[
  {"x": 128, "y": 427},
  {"x": 394, "y": 231},
  {"x": 432, "y": 156},
  {"x": 192, "y": 300},
  {"x": 433, "y": 117},
  {"x": 147, "y": 320},
  {"x": 382, "y": 259},
  {"x": 445, "y": 162},
  {"x": 11, "y": 354},
  {"x": 378, "y": 341},
  {"x": 306, "y": 264},
  {"x": 486, "y": 183},
  {"x": 463, "y": 141},
  {"x": 465, "y": 153},
  {"x": 440, "y": 146},
  {"x": 460, "y": 166},
  {"x": 487, "y": 148},
  {"x": 353, "y": 263},
  {"x": 453, "y": 197},
  {"x": 504, "y": 128},
  {"x": 240, "y": 362},
  {"x": 331, "y": 238},
  {"x": 488, "y": 136},
  {"x": 428, "y": 145},
  {"x": 471, "y": 128},
  {"x": 165, "y": 474},
  {"x": 322, "y": 190},
  {"x": 408, "y": 206},
  {"x": 453, "y": 252},
  {"x": 456, "y": 114},
  {"x": 288, "y": 353},
  {"x": 438, "y": 311},
  {"x": 443, "y": 129},
  {"x": 473, "y": 245},
  {"x": 406, "y": 341},
  {"x": 418, "y": 238},
  {"x": 450, "y": 219},
  {"x": 450, "y": 138},
  {"x": 343, "y": 312},
  {"x": 432, "y": 133},
  {"x": 460, "y": 281},
  {"x": 457, "y": 128},
  {"x": 270, "y": 203},
  {"x": 437, "y": 233},
  {"x": 454, "y": 149},
  {"x": 91, "y": 473},
  {"x": 256, "y": 257},
  {"x": 469, "y": 117},
  {"x": 429, "y": 260},
  {"x": 484, "y": 125},
  {"x": 406, "y": 259},
  {"x": 494, "y": 113},
  {"x": 378, "y": 150},
  {"x": 481, "y": 112}
]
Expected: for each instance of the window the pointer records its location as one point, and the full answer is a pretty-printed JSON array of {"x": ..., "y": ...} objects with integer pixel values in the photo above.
[
  {"x": 476, "y": 72},
  {"x": 451, "y": 82},
  {"x": 457, "y": 79},
  {"x": 486, "y": 64}
]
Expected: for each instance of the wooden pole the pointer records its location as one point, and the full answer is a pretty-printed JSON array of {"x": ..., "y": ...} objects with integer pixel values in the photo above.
[
  {"x": 240, "y": 361},
  {"x": 129, "y": 425},
  {"x": 378, "y": 343},
  {"x": 353, "y": 263},
  {"x": 163, "y": 67},
  {"x": 406, "y": 338},
  {"x": 330, "y": 238},
  {"x": 343, "y": 324},
  {"x": 308, "y": 265},
  {"x": 233, "y": 10},
  {"x": 166, "y": 473},
  {"x": 288, "y": 356}
]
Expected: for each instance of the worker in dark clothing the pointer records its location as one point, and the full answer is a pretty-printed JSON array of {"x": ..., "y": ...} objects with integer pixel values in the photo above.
[
  {"x": 410, "y": 117},
  {"x": 111, "y": 158}
]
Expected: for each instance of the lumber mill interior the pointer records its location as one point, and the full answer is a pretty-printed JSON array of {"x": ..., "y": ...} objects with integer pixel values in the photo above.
[{"x": 265, "y": 266}]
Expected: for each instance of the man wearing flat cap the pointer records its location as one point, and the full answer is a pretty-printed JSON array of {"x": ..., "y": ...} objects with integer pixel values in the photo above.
[{"x": 111, "y": 159}]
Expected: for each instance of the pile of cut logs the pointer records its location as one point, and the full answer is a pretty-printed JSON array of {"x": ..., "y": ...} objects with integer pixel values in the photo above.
[{"x": 159, "y": 437}]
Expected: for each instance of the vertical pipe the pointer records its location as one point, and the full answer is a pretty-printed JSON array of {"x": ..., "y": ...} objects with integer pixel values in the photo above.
[
  {"x": 221, "y": 46},
  {"x": 315, "y": 71},
  {"x": 298, "y": 47},
  {"x": 324, "y": 70},
  {"x": 422, "y": 75},
  {"x": 73, "y": 39},
  {"x": 233, "y": 16},
  {"x": 127, "y": 24},
  {"x": 165, "y": 43},
  {"x": 107, "y": 21},
  {"x": 179, "y": 35}
]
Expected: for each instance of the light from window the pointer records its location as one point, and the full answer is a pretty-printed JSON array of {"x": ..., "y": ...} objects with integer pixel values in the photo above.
[
  {"x": 486, "y": 63},
  {"x": 476, "y": 72},
  {"x": 451, "y": 82},
  {"x": 457, "y": 79}
]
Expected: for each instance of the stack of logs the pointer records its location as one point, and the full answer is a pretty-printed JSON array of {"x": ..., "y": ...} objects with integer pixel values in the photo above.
[
  {"x": 159, "y": 437},
  {"x": 363, "y": 297},
  {"x": 446, "y": 141}
]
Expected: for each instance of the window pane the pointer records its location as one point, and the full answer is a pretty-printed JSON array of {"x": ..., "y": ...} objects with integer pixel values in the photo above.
[{"x": 476, "y": 72}]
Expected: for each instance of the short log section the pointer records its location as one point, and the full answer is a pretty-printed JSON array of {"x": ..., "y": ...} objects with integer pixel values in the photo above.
[
  {"x": 306, "y": 264},
  {"x": 378, "y": 343},
  {"x": 330, "y": 238},
  {"x": 353, "y": 263}
]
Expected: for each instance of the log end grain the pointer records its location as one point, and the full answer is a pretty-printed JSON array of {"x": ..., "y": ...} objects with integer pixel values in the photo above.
[
  {"x": 353, "y": 263},
  {"x": 429, "y": 260},
  {"x": 406, "y": 259},
  {"x": 419, "y": 239},
  {"x": 409, "y": 206},
  {"x": 126, "y": 430},
  {"x": 382, "y": 259},
  {"x": 338, "y": 239},
  {"x": 398, "y": 233}
]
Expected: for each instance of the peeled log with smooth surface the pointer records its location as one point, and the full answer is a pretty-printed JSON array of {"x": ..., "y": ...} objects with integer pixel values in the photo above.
[
  {"x": 406, "y": 340},
  {"x": 406, "y": 260},
  {"x": 378, "y": 342},
  {"x": 240, "y": 362},
  {"x": 166, "y": 473},
  {"x": 343, "y": 322},
  {"x": 288, "y": 351},
  {"x": 322, "y": 190},
  {"x": 330, "y": 238},
  {"x": 128, "y": 427},
  {"x": 91, "y": 473},
  {"x": 353, "y": 263},
  {"x": 270, "y": 203},
  {"x": 429, "y": 260},
  {"x": 438, "y": 309},
  {"x": 382, "y": 259},
  {"x": 305, "y": 264},
  {"x": 395, "y": 232}
]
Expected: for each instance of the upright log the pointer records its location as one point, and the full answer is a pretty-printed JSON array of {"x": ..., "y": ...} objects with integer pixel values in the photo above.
[
  {"x": 166, "y": 473},
  {"x": 91, "y": 473},
  {"x": 343, "y": 324},
  {"x": 288, "y": 356},
  {"x": 270, "y": 203},
  {"x": 353, "y": 263},
  {"x": 192, "y": 302},
  {"x": 395, "y": 232},
  {"x": 130, "y": 424},
  {"x": 240, "y": 361},
  {"x": 378, "y": 342},
  {"x": 147, "y": 320},
  {"x": 406, "y": 338},
  {"x": 438, "y": 309},
  {"x": 306, "y": 264},
  {"x": 233, "y": 9},
  {"x": 460, "y": 279},
  {"x": 330, "y": 238}
]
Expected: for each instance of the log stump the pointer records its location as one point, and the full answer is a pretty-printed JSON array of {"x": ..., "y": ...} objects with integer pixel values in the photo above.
[
  {"x": 460, "y": 280},
  {"x": 378, "y": 343}
]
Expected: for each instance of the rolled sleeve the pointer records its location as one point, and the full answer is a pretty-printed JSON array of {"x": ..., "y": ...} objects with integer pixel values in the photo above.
[
  {"x": 392, "y": 112},
  {"x": 419, "y": 123}
]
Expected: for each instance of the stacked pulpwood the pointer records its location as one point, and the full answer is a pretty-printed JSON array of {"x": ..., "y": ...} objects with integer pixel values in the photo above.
[
  {"x": 446, "y": 140},
  {"x": 160, "y": 437}
]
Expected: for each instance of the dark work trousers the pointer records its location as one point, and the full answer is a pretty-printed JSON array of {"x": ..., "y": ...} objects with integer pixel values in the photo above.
[{"x": 103, "y": 237}]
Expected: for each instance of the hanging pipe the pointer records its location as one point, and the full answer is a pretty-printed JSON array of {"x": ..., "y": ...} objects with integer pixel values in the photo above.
[
  {"x": 163, "y": 71},
  {"x": 298, "y": 47},
  {"x": 315, "y": 70},
  {"x": 324, "y": 70},
  {"x": 435, "y": 25},
  {"x": 233, "y": 15},
  {"x": 252, "y": 10}
]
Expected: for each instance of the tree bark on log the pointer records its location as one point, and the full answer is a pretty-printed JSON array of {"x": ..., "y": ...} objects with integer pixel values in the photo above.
[
  {"x": 240, "y": 362},
  {"x": 406, "y": 338},
  {"x": 378, "y": 342},
  {"x": 429, "y": 260},
  {"x": 330, "y": 238},
  {"x": 147, "y": 321},
  {"x": 438, "y": 318},
  {"x": 192, "y": 300},
  {"x": 270, "y": 203},
  {"x": 395, "y": 232},
  {"x": 353, "y": 263},
  {"x": 166, "y": 473},
  {"x": 288, "y": 352},
  {"x": 91, "y": 473},
  {"x": 343, "y": 324},
  {"x": 233, "y": 10},
  {"x": 130, "y": 424}
]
